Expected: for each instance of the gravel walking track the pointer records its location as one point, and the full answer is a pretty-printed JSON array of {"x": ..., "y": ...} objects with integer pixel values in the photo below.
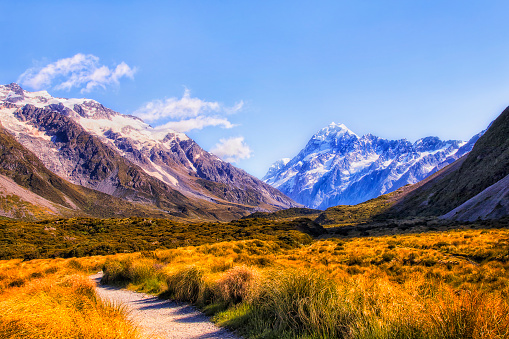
[{"x": 158, "y": 318}]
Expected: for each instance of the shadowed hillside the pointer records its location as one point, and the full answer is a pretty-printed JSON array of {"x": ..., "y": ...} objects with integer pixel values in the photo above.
[
  {"x": 27, "y": 171},
  {"x": 290, "y": 213},
  {"x": 485, "y": 165}
]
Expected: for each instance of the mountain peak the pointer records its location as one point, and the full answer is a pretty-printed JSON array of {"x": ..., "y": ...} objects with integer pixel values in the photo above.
[
  {"x": 335, "y": 125},
  {"x": 337, "y": 167},
  {"x": 15, "y": 88},
  {"x": 338, "y": 127},
  {"x": 90, "y": 145},
  {"x": 333, "y": 130}
]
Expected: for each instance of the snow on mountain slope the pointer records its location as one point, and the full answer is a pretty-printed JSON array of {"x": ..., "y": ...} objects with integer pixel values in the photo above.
[
  {"x": 337, "y": 167},
  {"x": 49, "y": 126},
  {"x": 92, "y": 116}
]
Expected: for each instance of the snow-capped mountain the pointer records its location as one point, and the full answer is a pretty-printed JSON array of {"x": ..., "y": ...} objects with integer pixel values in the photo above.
[
  {"x": 337, "y": 167},
  {"x": 90, "y": 145},
  {"x": 276, "y": 167}
]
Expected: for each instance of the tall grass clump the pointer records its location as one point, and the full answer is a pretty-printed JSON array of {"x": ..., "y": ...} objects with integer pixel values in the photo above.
[
  {"x": 116, "y": 272},
  {"x": 307, "y": 304},
  {"x": 467, "y": 314},
  {"x": 302, "y": 302},
  {"x": 239, "y": 283},
  {"x": 183, "y": 283},
  {"x": 187, "y": 284},
  {"x": 143, "y": 273}
]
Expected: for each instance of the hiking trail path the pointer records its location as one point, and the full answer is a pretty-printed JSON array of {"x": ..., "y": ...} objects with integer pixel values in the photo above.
[{"x": 159, "y": 318}]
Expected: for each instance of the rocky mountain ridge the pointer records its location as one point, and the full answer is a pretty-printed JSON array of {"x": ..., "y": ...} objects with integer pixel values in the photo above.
[
  {"x": 90, "y": 145},
  {"x": 473, "y": 187},
  {"x": 337, "y": 167}
]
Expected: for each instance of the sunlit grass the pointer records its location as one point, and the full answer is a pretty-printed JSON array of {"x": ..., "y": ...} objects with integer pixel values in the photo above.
[
  {"x": 56, "y": 299},
  {"x": 433, "y": 285}
]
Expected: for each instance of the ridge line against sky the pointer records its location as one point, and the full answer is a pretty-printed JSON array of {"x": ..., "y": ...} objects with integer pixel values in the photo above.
[{"x": 254, "y": 81}]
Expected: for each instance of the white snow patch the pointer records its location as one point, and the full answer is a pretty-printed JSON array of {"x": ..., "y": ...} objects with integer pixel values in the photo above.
[
  {"x": 361, "y": 164},
  {"x": 10, "y": 122},
  {"x": 129, "y": 127},
  {"x": 161, "y": 174},
  {"x": 117, "y": 123}
]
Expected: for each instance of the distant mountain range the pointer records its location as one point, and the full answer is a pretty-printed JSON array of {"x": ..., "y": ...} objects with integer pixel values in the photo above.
[
  {"x": 474, "y": 187},
  {"x": 337, "y": 167},
  {"x": 74, "y": 157},
  {"x": 83, "y": 158}
]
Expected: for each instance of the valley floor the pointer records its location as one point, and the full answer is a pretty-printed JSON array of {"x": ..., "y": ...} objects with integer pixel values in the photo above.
[{"x": 431, "y": 283}]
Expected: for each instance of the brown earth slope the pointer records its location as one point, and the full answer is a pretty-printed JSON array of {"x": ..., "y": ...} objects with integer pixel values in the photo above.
[
  {"x": 26, "y": 170},
  {"x": 485, "y": 165}
]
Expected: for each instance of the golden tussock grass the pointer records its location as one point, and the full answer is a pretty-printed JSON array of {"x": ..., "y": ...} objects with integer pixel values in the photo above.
[
  {"x": 240, "y": 283},
  {"x": 435, "y": 285},
  {"x": 56, "y": 299},
  {"x": 432, "y": 285}
]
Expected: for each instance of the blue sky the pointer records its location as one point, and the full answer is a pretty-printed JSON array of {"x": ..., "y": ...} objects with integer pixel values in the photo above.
[{"x": 254, "y": 80}]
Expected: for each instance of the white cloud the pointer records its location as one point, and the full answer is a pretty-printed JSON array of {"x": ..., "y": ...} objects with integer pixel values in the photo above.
[
  {"x": 185, "y": 107},
  {"x": 80, "y": 71},
  {"x": 196, "y": 123},
  {"x": 237, "y": 107},
  {"x": 187, "y": 113},
  {"x": 232, "y": 149}
]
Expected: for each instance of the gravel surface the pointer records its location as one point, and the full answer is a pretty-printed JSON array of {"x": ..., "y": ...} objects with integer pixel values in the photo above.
[{"x": 159, "y": 318}]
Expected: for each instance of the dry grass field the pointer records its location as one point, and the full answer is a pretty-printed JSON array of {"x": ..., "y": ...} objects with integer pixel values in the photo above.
[
  {"x": 435, "y": 285},
  {"x": 451, "y": 284},
  {"x": 54, "y": 298}
]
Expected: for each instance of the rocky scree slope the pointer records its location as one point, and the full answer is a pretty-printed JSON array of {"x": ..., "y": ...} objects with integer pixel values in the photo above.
[
  {"x": 337, "y": 167},
  {"x": 23, "y": 173}
]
